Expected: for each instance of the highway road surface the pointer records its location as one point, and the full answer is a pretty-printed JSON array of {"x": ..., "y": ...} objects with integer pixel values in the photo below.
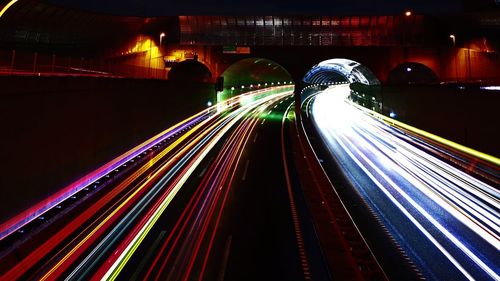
[
  {"x": 446, "y": 220},
  {"x": 205, "y": 200}
]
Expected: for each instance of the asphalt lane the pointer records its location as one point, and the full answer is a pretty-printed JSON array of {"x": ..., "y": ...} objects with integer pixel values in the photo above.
[
  {"x": 441, "y": 241},
  {"x": 257, "y": 238},
  {"x": 259, "y": 222},
  {"x": 256, "y": 234}
]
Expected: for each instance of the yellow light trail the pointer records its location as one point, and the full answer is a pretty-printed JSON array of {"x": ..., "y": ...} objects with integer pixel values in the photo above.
[
  {"x": 18, "y": 270},
  {"x": 441, "y": 140},
  {"x": 123, "y": 259},
  {"x": 12, "y": 2},
  {"x": 154, "y": 160},
  {"x": 396, "y": 167},
  {"x": 116, "y": 268}
]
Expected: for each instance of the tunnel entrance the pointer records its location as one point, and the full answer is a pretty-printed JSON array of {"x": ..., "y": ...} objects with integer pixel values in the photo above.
[
  {"x": 412, "y": 73},
  {"x": 190, "y": 70},
  {"x": 340, "y": 70},
  {"x": 335, "y": 71},
  {"x": 252, "y": 73}
]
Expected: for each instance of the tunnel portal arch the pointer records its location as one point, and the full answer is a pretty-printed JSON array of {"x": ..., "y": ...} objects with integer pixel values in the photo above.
[
  {"x": 253, "y": 73},
  {"x": 340, "y": 70},
  {"x": 190, "y": 70},
  {"x": 412, "y": 73}
]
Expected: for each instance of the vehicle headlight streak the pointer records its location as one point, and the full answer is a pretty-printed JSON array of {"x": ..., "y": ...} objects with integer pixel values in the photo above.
[
  {"x": 106, "y": 218},
  {"x": 107, "y": 241},
  {"x": 201, "y": 208},
  {"x": 190, "y": 150},
  {"x": 208, "y": 209},
  {"x": 84, "y": 243},
  {"x": 115, "y": 269},
  {"x": 40, "y": 208},
  {"x": 386, "y": 158},
  {"x": 433, "y": 180},
  {"x": 25, "y": 217},
  {"x": 458, "y": 147}
]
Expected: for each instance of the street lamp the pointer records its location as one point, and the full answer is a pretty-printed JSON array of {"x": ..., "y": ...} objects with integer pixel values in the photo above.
[
  {"x": 408, "y": 13},
  {"x": 452, "y": 36},
  {"x": 161, "y": 37}
]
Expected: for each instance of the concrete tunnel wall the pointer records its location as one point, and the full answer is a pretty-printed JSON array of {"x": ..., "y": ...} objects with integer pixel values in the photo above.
[{"x": 57, "y": 129}]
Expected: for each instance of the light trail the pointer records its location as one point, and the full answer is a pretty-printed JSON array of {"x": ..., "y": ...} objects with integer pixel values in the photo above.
[
  {"x": 34, "y": 257},
  {"x": 123, "y": 258},
  {"x": 458, "y": 214},
  {"x": 203, "y": 215},
  {"x": 6, "y": 7},
  {"x": 15, "y": 223},
  {"x": 105, "y": 244},
  {"x": 40, "y": 208},
  {"x": 173, "y": 166},
  {"x": 122, "y": 209}
]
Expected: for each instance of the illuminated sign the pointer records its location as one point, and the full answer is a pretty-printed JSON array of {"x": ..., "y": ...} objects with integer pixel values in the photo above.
[{"x": 236, "y": 50}]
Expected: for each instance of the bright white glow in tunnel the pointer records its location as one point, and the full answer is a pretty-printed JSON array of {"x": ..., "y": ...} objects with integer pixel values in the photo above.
[
  {"x": 350, "y": 70},
  {"x": 491, "y": 88},
  {"x": 436, "y": 197}
]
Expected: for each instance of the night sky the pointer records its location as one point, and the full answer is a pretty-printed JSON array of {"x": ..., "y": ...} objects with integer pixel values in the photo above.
[{"x": 267, "y": 7}]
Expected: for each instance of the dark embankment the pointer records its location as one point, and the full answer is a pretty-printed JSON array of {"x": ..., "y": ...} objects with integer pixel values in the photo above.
[
  {"x": 56, "y": 129},
  {"x": 466, "y": 114}
]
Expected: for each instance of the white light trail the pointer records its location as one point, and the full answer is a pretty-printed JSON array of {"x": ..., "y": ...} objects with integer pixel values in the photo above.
[{"x": 428, "y": 191}]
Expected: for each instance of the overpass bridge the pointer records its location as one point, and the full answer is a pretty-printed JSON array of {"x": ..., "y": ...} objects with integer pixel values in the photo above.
[{"x": 49, "y": 37}]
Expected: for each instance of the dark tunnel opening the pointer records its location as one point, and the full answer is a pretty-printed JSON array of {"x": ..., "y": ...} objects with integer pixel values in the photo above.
[{"x": 412, "y": 73}]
